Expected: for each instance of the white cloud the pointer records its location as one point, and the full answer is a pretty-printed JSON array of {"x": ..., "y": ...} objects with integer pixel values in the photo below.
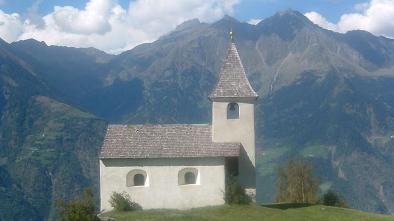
[
  {"x": 104, "y": 24},
  {"x": 158, "y": 15},
  {"x": 376, "y": 16},
  {"x": 11, "y": 26},
  {"x": 92, "y": 20},
  {"x": 320, "y": 20},
  {"x": 33, "y": 16},
  {"x": 254, "y": 21}
]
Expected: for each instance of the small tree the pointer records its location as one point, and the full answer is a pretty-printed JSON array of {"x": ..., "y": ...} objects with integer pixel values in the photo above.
[
  {"x": 235, "y": 194},
  {"x": 296, "y": 183},
  {"x": 82, "y": 208},
  {"x": 332, "y": 198},
  {"x": 123, "y": 202}
]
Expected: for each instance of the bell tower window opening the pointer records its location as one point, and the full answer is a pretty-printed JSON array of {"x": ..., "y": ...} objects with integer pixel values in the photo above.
[{"x": 232, "y": 111}]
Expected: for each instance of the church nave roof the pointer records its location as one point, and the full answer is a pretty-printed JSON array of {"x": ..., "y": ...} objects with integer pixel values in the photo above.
[{"x": 164, "y": 141}]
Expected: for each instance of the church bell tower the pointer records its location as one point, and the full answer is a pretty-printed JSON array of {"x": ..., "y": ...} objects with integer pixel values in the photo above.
[{"x": 233, "y": 100}]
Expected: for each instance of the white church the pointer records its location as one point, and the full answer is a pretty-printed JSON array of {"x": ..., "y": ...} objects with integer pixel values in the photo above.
[{"x": 181, "y": 166}]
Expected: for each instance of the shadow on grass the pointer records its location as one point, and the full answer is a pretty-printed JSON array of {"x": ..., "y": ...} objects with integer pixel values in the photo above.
[{"x": 284, "y": 206}]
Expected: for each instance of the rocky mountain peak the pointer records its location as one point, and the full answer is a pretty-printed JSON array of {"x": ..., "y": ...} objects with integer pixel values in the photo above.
[
  {"x": 289, "y": 18},
  {"x": 227, "y": 21},
  {"x": 188, "y": 24},
  {"x": 30, "y": 43}
]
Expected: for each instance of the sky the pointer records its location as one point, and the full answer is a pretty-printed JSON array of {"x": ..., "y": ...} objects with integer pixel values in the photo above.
[{"x": 118, "y": 25}]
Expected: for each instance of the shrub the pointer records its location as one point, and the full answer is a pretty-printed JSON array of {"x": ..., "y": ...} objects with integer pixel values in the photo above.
[
  {"x": 123, "y": 202},
  {"x": 235, "y": 194},
  {"x": 332, "y": 198},
  {"x": 82, "y": 208}
]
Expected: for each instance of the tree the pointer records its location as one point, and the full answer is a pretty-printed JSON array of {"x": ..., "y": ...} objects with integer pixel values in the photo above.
[
  {"x": 82, "y": 208},
  {"x": 296, "y": 183},
  {"x": 332, "y": 198}
]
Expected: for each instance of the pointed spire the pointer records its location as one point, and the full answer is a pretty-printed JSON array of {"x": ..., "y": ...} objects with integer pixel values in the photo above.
[{"x": 233, "y": 82}]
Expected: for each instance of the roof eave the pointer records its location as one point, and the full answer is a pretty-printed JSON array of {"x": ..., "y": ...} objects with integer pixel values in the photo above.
[
  {"x": 169, "y": 157},
  {"x": 245, "y": 99}
]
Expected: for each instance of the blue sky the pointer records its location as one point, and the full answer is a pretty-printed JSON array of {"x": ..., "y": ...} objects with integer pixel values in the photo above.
[
  {"x": 246, "y": 10},
  {"x": 331, "y": 9},
  {"x": 118, "y": 25}
]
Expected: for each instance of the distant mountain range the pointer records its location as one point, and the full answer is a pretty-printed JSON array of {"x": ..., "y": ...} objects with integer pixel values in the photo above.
[{"x": 325, "y": 96}]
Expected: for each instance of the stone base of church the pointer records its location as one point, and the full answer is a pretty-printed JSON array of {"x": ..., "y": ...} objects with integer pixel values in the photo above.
[{"x": 251, "y": 192}]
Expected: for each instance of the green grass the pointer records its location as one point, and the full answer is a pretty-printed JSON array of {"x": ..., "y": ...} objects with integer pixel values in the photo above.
[{"x": 279, "y": 212}]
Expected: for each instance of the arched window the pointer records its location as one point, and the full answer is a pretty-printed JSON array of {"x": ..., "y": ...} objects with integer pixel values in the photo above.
[
  {"x": 139, "y": 180},
  {"x": 136, "y": 178},
  {"x": 232, "y": 111},
  {"x": 188, "y": 176}
]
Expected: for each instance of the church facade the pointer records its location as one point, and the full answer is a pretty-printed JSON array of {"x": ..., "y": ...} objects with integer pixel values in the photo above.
[{"x": 181, "y": 166}]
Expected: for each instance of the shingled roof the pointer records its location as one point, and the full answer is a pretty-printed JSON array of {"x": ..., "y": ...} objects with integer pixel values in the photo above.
[
  {"x": 164, "y": 141},
  {"x": 232, "y": 80}
]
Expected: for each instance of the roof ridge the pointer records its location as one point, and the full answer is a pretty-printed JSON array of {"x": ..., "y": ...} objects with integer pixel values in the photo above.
[{"x": 175, "y": 124}]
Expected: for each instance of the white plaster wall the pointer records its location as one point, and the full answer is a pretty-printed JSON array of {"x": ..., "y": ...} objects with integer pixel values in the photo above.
[
  {"x": 237, "y": 130},
  {"x": 163, "y": 190}
]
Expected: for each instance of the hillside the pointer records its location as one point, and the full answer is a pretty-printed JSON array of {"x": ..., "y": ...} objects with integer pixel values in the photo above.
[
  {"x": 46, "y": 146},
  {"x": 252, "y": 213},
  {"x": 325, "y": 96},
  {"x": 51, "y": 161}
]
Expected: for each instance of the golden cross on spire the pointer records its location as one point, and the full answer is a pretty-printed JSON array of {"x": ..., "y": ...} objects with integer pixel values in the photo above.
[{"x": 231, "y": 35}]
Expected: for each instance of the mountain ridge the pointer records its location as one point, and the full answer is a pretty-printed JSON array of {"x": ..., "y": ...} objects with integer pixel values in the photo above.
[{"x": 325, "y": 96}]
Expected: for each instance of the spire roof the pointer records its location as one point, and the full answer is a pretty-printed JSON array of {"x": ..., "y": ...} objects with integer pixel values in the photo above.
[{"x": 233, "y": 82}]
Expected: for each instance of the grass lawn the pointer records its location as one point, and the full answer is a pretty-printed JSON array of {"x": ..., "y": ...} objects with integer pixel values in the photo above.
[{"x": 281, "y": 212}]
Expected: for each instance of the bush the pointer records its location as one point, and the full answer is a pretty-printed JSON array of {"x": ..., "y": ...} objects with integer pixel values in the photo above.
[
  {"x": 332, "y": 198},
  {"x": 123, "y": 202},
  {"x": 79, "y": 209},
  {"x": 235, "y": 194}
]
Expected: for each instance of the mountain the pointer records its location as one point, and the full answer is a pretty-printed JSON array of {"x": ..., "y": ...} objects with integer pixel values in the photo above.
[
  {"x": 324, "y": 96},
  {"x": 46, "y": 146}
]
